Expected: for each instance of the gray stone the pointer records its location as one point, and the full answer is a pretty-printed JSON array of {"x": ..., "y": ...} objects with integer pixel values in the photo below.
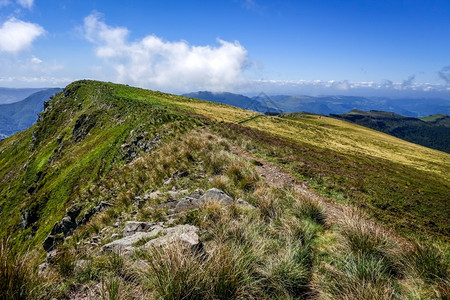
[
  {"x": 186, "y": 235},
  {"x": 244, "y": 203},
  {"x": 184, "y": 204},
  {"x": 43, "y": 268},
  {"x": 103, "y": 205},
  {"x": 125, "y": 244},
  {"x": 153, "y": 195},
  {"x": 131, "y": 227},
  {"x": 51, "y": 256},
  {"x": 216, "y": 195},
  {"x": 140, "y": 265}
]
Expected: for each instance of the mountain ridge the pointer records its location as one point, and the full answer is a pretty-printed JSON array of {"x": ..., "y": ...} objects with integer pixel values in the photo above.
[{"x": 105, "y": 158}]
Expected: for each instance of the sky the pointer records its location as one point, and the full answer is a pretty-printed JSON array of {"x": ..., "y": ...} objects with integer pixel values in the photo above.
[{"x": 365, "y": 47}]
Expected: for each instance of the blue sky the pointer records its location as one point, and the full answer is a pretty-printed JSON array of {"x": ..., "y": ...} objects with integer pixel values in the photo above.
[{"x": 307, "y": 47}]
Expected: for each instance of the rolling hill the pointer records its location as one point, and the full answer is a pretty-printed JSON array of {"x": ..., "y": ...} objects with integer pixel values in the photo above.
[
  {"x": 432, "y": 131},
  {"x": 20, "y": 115},
  {"x": 118, "y": 191}
]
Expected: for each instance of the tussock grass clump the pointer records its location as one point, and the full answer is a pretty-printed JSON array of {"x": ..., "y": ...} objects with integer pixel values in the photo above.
[
  {"x": 429, "y": 262},
  {"x": 174, "y": 273},
  {"x": 111, "y": 288},
  {"x": 357, "y": 277},
  {"x": 306, "y": 207},
  {"x": 232, "y": 272},
  {"x": 288, "y": 274},
  {"x": 18, "y": 278},
  {"x": 362, "y": 237}
]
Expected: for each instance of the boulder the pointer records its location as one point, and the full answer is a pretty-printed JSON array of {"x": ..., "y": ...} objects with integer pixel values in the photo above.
[
  {"x": 186, "y": 235},
  {"x": 127, "y": 244},
  {"x": 131, "y": 227},
  {"x": 157, "y": 236},
  {"x": 216, "y": 195}
]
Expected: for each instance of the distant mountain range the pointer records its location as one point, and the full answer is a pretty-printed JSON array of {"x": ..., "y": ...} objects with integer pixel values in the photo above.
[
  {"x": 11, "y": 95},
  {"x": 328, "y": 104},
  {"x": 18, "y": 116},
  {"x": 432, "y": 131}
]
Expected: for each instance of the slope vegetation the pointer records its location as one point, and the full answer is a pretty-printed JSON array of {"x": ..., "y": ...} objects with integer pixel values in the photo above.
[{"x": 308, "y": 207}]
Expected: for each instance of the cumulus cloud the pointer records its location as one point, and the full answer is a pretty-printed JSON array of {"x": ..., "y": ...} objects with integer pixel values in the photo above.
[
  {"x": 26, "y": 3},
  {"x": 176, "y": 66},
  {"x": 17, "y": 35},
  {"x": 444, "y": 74}
]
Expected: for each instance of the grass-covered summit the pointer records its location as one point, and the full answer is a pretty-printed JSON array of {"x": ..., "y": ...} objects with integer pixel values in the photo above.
[{"x": 332, "y": 210}]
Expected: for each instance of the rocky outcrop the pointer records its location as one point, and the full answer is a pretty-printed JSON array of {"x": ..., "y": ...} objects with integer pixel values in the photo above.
[
  {"x": 140, "y": 142},
  {"x": 156, "y": 236},
  {"x": 82, "y": 127},
  {"x": 69, "y": 223},
  {"x": 132, "y": 227},
  {"x": 94, "y": 210},
  {"x": 198, "y": 199},
  {"x": 62, "y": 228}
]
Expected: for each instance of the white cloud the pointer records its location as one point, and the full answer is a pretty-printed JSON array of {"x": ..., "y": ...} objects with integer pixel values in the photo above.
[
  {"x": 175, "y": 66},
  {"x": 35, "y": 60},
  {"x": 17, "y": 35},
  {"x": 26, "y": 3}
]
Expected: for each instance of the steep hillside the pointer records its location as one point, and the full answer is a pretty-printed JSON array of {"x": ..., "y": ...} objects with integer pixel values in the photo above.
[
  {"x": 140, "y": 194},
  {"x": 432, "y": 131},
  {"x": 20, "y": 115}
]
